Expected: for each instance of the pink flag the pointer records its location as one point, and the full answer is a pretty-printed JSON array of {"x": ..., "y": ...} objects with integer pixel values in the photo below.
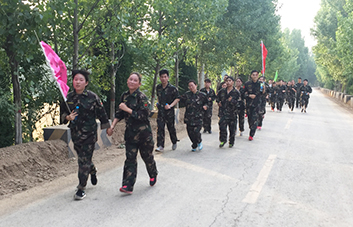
[
  {"x": 264, "y": 55},
  {"x": 58, "y": 68}
]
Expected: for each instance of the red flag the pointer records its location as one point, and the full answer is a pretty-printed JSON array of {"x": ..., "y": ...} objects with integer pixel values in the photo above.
[
  {"x": 264, "y": 55},
  {"x": 58, "y": 68}
]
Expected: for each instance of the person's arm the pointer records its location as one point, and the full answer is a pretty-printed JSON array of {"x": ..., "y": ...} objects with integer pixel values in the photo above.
[{"x": 101, "y": 114}]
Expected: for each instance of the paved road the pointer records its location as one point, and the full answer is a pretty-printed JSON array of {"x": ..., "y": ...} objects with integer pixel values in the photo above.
[{"x": 297, "y": 172}]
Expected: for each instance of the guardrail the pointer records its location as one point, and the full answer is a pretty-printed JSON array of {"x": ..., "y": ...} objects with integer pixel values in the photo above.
[{"x": 348, "y": 99}]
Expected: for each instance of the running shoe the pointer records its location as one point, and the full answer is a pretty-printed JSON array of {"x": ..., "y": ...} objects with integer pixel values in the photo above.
[
  {"x": 80, "y": 194},
  {"x": 125, "y": 189},
  {"x": 153, "y": 181}
]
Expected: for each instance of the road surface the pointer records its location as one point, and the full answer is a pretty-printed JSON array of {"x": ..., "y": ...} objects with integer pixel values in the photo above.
[{"x": 298, "y": 171}]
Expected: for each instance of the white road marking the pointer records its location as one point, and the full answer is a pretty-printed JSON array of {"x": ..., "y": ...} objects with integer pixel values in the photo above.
[
  {"x": 256, "y": 188},
  {"x": 288, "y": 123}
]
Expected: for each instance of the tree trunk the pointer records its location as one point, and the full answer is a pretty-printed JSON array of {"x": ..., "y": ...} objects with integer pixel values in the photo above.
[
  {"x": 75, "y": 34},
  {"x": 154, "y": 84},
  {"x": 112, "y": 83},
  {"x": 17, "y": 101}
]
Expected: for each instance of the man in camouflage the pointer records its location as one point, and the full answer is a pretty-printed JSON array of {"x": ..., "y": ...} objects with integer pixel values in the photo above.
[
  {"x": 227, "y": 99},
  {"x": 211, "y": 96},
  {"x": 240, "y": 104},
  {"x": 298, "y": 85},
  {"x": 167, "y": 98},
  {"x": 85, "y": 106},
  {"x": 280, "y": 95},
  {"x": 305, "y": 91},
  {"x": 195, "y": 104},
  {"x": 253, "y": 101},
  {"x": 263, "y": 95},
  {"x": 271, "y": 94},
  {"x": 134, "y": 107},
  {"x": 291, "y": 95}
]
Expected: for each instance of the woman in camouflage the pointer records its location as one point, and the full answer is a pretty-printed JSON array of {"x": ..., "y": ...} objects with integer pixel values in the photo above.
[{"x": 135, "y": 109}]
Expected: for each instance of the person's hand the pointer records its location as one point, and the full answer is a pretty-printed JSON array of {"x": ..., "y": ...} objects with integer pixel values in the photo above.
[
  {"x": 110, "y": 131},
  {"x": 252, "y": 96},
  {"x": 123, "y": 107},
  {"x": 167, "y": 106},
  {"x": 219, "y": 104},
  {"x": 230, "y": 99},
  {"x": 205, "y": 107},
  {"x": 209, "y": 99},
  {"x": 71, "y": 116}
]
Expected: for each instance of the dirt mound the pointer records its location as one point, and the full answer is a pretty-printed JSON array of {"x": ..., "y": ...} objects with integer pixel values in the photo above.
[
  {"x": 27, "y": 165},
  {"x": 32, "y": 164}
]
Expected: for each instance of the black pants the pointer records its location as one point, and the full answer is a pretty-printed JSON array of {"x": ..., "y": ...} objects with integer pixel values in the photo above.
[
  {"x": 85, "y": 164},
  {"x": 194, "y": 134},
  {"x": 231, "y": 124},
  {"x": 168, "y": 120}
]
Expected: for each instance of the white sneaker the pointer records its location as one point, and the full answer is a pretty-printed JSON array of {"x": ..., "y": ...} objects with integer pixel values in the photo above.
[
  {"x": 160, "y": 149},
  {"x": 174, "y": 146}
]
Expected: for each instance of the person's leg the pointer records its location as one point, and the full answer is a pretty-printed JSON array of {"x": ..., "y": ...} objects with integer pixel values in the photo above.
[
  {"x": 146, "y": 152},
  {"x": 241, "y": 119},
  {"x": 130, "y": 166},
  {"x": 191, "y": 134},
  {"x": 222, "y": 130},
  {"x": 171, "y": 128},
  {"x": 85, "y": 165},
  {"x": 253, "y": 118},
  {"x": 160, "y": 130},
  {"x": 232, "y": 124}
]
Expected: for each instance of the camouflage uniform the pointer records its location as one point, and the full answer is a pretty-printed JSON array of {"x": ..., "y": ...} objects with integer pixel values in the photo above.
[
  {"x": 207, "y": 117},
  {"x": 193, "y": 114},
  {"x": 305, "y": 95},
  {"x": 271, "y": 96},
  {"x": 165, "y": 96},
  {"x": 138, "y": 136},
  {"x": 227, "y": 114},
  {"x": 280, "y": 93},
  {"x": 297, "y": 100},
  {"x": 241, "y": 109},
  {"x": 262, "y": 108},
  {"x": 252, "y": 105},
  {"x": 84, "y": 129},
  {"x": 290, "y": 97}
]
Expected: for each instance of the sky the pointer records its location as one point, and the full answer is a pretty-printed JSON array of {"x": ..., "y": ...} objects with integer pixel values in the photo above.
[{"x": 299, "y": 14}]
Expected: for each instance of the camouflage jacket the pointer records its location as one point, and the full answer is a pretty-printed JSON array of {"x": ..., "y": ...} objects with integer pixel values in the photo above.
[
  {"x": 228, "y": 109},
  {"x": 211, "y": 96},
  {"x": 281, "y": 91},
  {"x": 89, "y": 107},
  {"x": 138, "y": 126},
  {"x": 290, "y": 92},
  {"x": 165, "y": 96},
  {"x": 193, "y": 107},
  {"x": 305, "y": 91},
  {"x": 252, "y": 88}
]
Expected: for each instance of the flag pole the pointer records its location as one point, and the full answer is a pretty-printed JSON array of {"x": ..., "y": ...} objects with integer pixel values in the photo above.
[
  {"x": 262, "y": 57},
  {"x": 47, "y": 61}
]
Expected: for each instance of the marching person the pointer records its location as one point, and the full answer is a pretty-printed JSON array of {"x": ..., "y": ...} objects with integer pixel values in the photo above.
[
  {"x": 280, "y": 95},
  {"x": 263, "y": 95},
  {"x": 240, "y": 104},
  {"x": 271, "y": 94},
  {"x": 85, "y": 107},
  {"x": 227, "y": 99},
  {"x": 253, "y": 101},
  {"x": 195, "y": 104},
  {"x": 134, "y": 107},
  {"x": 298, "y": 85},
  {"x": 211, "y": 96},
  {"x": 291, "y": 95},
  {"x": 167, "y": 99},
  {"x": 305, "y": 91}
]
